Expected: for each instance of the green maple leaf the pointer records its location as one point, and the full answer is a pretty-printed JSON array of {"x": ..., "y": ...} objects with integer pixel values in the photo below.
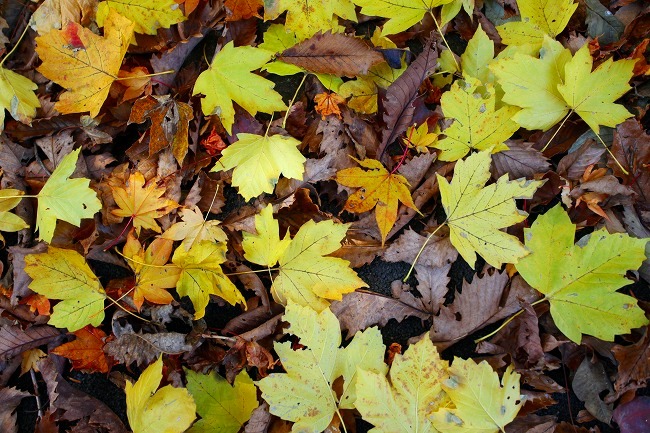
[{"x": 580, "y": 281}]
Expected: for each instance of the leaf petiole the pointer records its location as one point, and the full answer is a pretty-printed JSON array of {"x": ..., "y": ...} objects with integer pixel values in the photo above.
[
  {"x": 170, "y": 71},
  {"x": 435, "y": 21},
  {"x": 2, "y": 62},
  {"x": 408, "y": 274},
  {"x": 508, "y": 320},
  {"x": 557, "y": 130}
]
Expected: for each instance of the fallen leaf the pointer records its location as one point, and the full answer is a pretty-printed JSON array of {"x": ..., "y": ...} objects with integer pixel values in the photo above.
[
  {"x": 194, "y": 228},
  {"x": 14, "y": 340},
  {"x": 147, "y": 15},
  {"x": 401, "y": 14},
  {"x": 538, "y": 18},
  {"x": 87, "y": 351},
  {"x": 10, "y": 398},
  {"x": 17, "y": 96},
  {"x": 9, "y": 222},
  {"x": 55, "y": 14},
  {"x": 307, "y": 17},
  {"x": 243, "y": 9},
  {"x": 30, "y": 360}
]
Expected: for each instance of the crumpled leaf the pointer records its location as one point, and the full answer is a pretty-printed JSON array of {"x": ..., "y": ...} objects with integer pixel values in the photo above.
[
  {"x": 482, "y": 403},
  {"x": 84, "y": 63},
  {"x": 167, "y": 410},
  {"x": 130, "y": 347},
  {"x": 202, "y": 276},
  {"x": 17, "y": 96},
  {"x": 223, "y": 408},
  {"x": 194, "y": 228},
  {"x": 306, "y": 275},
  {"x": 87, "y": 351},
  {"x": 378, "y": 189},
  {"x": 229, "y": 79},
  {"x": 475, "y": 214},
  {"x": 538, "y": 18},
  {"x": 477, "y": 123},
  {"x": 9, "y": 222},
  {"x": 304, "y": 394},
  {"x": 258, "y": 162},
  {"x": 142, "y": 203},
  {"x": 401, "y": 14},
  {"x": 147, "y": 15},
  {"x": 65, "y": 275},
  {"x": 405, "y": 403},
  {"x": 307, "y": 17},
  {"x": 580, "y": 281}
]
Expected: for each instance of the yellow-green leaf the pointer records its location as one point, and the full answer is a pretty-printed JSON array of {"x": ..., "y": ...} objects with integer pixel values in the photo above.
[
  {"x": 167, "y": 410},
  {"x": 223, "y": 408},
  {"x": 202, "y": 276},
  {"x": 413, "y": 393},
  {"x": 265, "y": 247},
  {"x": 229, "y": 79},
  {"x": 65, "y": 275},
  {"x": 580, "y": 281},
  {"x": 148, "y": 15},
  {"x": 258, "y": 162},
  {"x": 66, "y": 199},
  {"x": 476, "y": 214},
  {"x": 477, "y": 123},
  {"x": 477, "y": 56},
  {"x": 307, "y": 17},
  {"x": 195, "y": 228},
  {"x": 482, "y": 404},
  {"x": 402, "y": 14},
  {"x": 9, "y": 222},
  {"x": 17, "y": 96}
]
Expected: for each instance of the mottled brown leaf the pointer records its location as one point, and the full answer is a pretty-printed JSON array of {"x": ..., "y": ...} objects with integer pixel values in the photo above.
[
  {"x": 633, "y": 365},
  {"x": 14, "y": 340},
  {"x": 521, "y": 160},
  {"x": 10, "y": 398}
]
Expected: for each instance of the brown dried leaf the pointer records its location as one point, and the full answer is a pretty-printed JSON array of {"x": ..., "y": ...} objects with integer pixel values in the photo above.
[
  {"x": 521, "y": 160},
  {"x": 10, "y": 398},
  {"x": 574, "y": 164},
  {"x": 631, "y": 148},
  {"x": 133, "y": 347},
  {"x": 633, "y": 365},
  {"x": 14, "y": 340},
  {"x": 438, "y": 251}
]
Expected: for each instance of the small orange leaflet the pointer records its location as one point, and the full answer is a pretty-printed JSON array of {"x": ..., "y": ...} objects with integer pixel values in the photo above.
[
  {"x": 87, "y": 351},
  {"x": 243, "y": 9},
  {"x": 328, "y": 103}
]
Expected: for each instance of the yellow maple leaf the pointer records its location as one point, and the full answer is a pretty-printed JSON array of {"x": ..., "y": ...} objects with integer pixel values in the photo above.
[
  {"x": 167, "y": 410},
  {"x": 66, "y": 199},
  {"x": 401, "y": 14},
  {"x": 229, "y": 79},
  {"x": 306, "y": 276},
  {"x": 475, "y": 214},
  {"x": 202, "y": 276},
  {"x": 259, "y": 160},
  {"x": 307, "y": 17},
  {"x": 65, "y": 275},
  {"x": 538, "y": 18},
  {"x": 420, "y": 139},
  {"x": 147, "y": 15},
  {"x": 152, "y": 273},
  {"x": 481, "y": 402},
  {"x": 142, "y": 203},
  {"x": 84, "y": 63},
  {"x": 378, "y": 189},
  {"x": 195, "y": 228},
  {"x": 9, "y": 222},
  {"x": 17, "y": 96},
  {"x": 477, "y": 123}
]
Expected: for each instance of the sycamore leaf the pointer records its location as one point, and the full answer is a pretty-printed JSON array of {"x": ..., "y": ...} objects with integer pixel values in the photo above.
[
  {"x": 194, "y": 228},
  {"x": 167, "y": 410},
  {"x": 306, "y": 276},
  {"x": 449, "y": 10},
  {"x": 539, "y": 18},
  {"x": 477, "y": 123},
  {"x": 17, "y": 96},
  {"x": 66, "y": 199},
  {"x": 420, "y": 138},
  {"x": 229, "y": 79},
  {"x": 259, "y": 160},
  {"x": 304, "y": 393},
  {"x": 152, "y": 273},
  {"x": 364, "y": 90},
  {"x": 87, "y": 350},
  {"x": 84, "y": 63},
  {"x": 147, "y": 15},
  {"x": 477, "y": 56},
  {"x": 580, "y": 281},
  {"x": 307, "y": 17},
  {"x": 482, "y": 404},
  {"x": 142, "y": 203},
  {"x": 10, "y": 222},
  {"x": 405, "y": 402},
  {"x": 65, "y": 275},
  {"x": 475, "y": 214},
  {"x": 402, "y": 14},
  {"x": 378, "y": 189},
  {"x": 548, "y": 87},
  {"x": 202, "y": 276},
  {"x": 223, "y": 408}
]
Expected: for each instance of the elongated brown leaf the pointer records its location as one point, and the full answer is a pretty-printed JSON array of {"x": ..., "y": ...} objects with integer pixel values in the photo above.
[
  {"x": 14, "y": 340},
  {"x": 144, "y": 348},
  {"x": 400, "y": 96},
  {"x": 329, "y": 53},
  {"x": 521, "y": 160}
]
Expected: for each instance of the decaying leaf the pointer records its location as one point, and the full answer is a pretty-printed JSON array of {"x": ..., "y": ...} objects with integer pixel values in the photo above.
[{"x": 87, "y": 351}]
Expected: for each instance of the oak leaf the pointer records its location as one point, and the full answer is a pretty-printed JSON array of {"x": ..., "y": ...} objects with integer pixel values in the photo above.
[
  {"x": 477, "y": 123},
  {"x": 9, "y": 222},
  {"x": 152, "y": 273},
  {"x": 481, "y": 402},
  {"x": 304, "y": 394},
  {"x": 229, "y": 79},
  {"x": 65, "y": 275},
  {"x": 17, "y": 96},
  {"x": 475, "y": 214},
  {"x": 223, "y": 408},
  {"x": 538, "y": 18},
  {"x": 147, "y": 15},
  {"x": 580, "y": 281},
  {"x": 87, "y": 351},
  {"x": 167, "y": 410},
  {"x": 66, "y": 199},
  {"x": 378, "y": 189},
  {"x": 142, "y": 203},
  {"x": 401, "y": 14},
  {"x": 202, "y": 276},
  {"x": 413, "y": 392},
  {"x": 84, "y": 63},
  {"x": 307, "y": 17},
  {"x": 306, "y": 275},
  {"x": 194, "y": 228}
]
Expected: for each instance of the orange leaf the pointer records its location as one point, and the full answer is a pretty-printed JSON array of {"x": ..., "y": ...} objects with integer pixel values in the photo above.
[
  {"x": 37, "y": 303},
  {"x": 328, "y": 103},
  {"x": 132, "y": 84},
  {"x": 87, "y": 351},
  {"x": 143, "y": 203},
  {"x": 243, "y": 9}
]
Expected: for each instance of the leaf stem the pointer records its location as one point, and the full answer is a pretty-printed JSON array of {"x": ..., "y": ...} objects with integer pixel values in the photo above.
[
  {"x": 17, "y": 196},
  {"x": 611, "y": 154},
  {"x": 408, "y": 274},
  {"x": 2, "y": 62},
  {"x": 117, "y": 304},
  {"x": 508, "y": 320},
  {"x": 116, "y": 240},
  {"x": 170, "y": 71},
  {"x": 435, "y": 21},
  {"x": 558, "y": 130},
  {"x": 295, "y": 95}
]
